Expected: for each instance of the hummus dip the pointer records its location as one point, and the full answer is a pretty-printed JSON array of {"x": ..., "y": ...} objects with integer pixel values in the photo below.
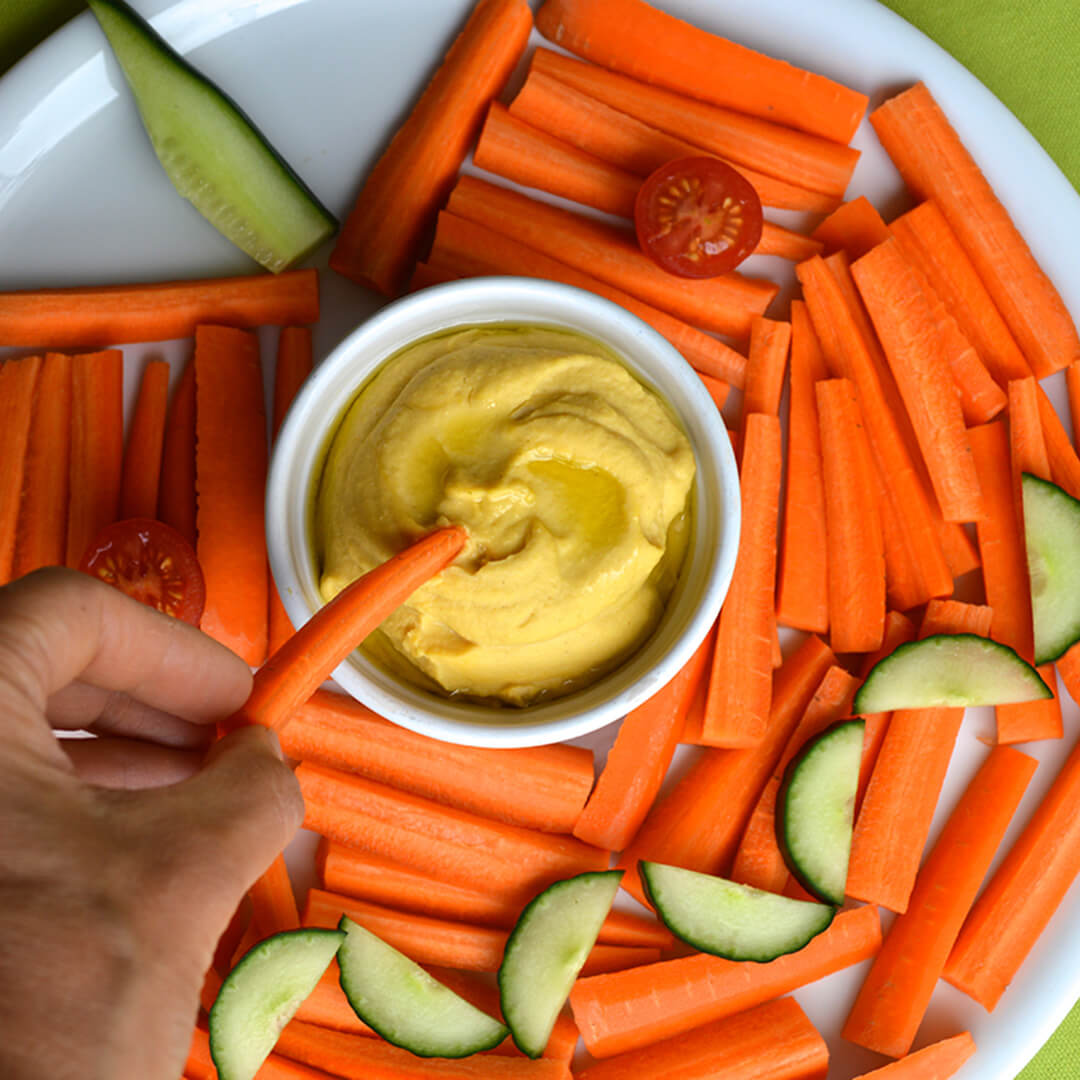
[{"x": 571, "y": 477}]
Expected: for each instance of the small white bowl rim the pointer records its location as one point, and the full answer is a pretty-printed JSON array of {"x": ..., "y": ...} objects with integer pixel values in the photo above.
[{"x": 321, "y": 403}]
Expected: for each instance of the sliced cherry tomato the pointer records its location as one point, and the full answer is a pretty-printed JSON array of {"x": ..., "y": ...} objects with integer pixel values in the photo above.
[
  {"x": 697, "y": 217},
  {"x": 152, "y": 563}
]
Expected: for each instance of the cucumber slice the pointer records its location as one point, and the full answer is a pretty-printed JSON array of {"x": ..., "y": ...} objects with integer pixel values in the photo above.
[
  {"x": 211, "y": 151},
  {"x": 405, "y": 1005},
  {"x": 730, "y": 920},
  {"x": 1052, "y": 536},
  {"x": 261, "y": 995},
  {"x": 815, "y": 809},
  {"x": 545, "y": 951},
  {"x": 949, "y": 670}
]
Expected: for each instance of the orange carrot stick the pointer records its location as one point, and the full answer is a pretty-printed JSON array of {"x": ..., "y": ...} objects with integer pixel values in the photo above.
[
  {"x": 383, "y": 233},
  {"x": 542, "y": 787},
  {"x": 470, "y": 250},
  {"x": 802, "y": 598},
  {"x": 273, "y": 902},
  {"x": 633, "y": 37},
  {"x": 638, "y": 761},
  {"x": 122, "y": 314},
  {"x": 856, "y": 569},
  {"x": 624, "y": 1011},
  {"x": 457, "y": 846},
  {"x": 1024, "y": 892},
  {"x": 1072, "y": 384},
  {"x": 758, "y": 862},
  {"x": 855, "y": 228},
  {"x": 1064, "y": 461},
  {"x": 296, "y": 670},
  {"x": 740, "y": 686},
  {"x": 894, "y": 997},
  {"x": 624, "y": 141},
  {"x": 894, "y": 821},
  {"x": 97, "y": 448},
  {"x": 936, "y": 165},
  {"x": 725, "y": 304},
  {"x": 697, "y": 825},
  {"x": 41, "y": 537},
  {"x": 293, "y": 367},
  {"x": 766, "y": 365},
  {"x": 718, "y": 390},
  {"x": 935, "y": 1062},
  {"x": 176, "y": 491},
  {"x": 17, "y": 382},
  {"x": 907, "y": 329},
  {"x": 916, "y": 565},
  {"x": 774, "y": 1039},
  {"x": 230, "y": 476},
  {"x": 142, "y": 457},
  {"x": 818, "y": 164}
]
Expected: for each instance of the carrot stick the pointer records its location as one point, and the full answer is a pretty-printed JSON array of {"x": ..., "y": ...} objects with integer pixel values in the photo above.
[
  {"x": 698, "y": 823},
  {"x": 898, "y": 630},
  {"x": 915, "y": 563},
  {"x": 17, "y": 382},
  {"x": 758, "y": 862},
  {"x": 802, "y": 598},
  {"x": 230, "y": 477},
  {"x": 273, "y": 903},
  {"x": 296, "y": 670},
  {"x": 906, "y": 326},
  {"x": 470, "y": 250},
  {"x": 425, "y": 275},
  {"x": 935, "y": 1062},
  {"x": 892, "y": 826},
  {"x": 328, "y": 1007},
  {"x": 123, "y": 314},
  {"x": 458, "y": 945},
  {"x": 41, "y": 536},
  {"x": 630, "y": 1009},
  {"x": 818, "y": 164},
  {"x": 855, "y": 227},
  {"x": 542, "y": 787},
  {"x": 725, "y": 304},
  {"x": 1064, "y": 462},
  {"x": 718, "y": 390},
  {"x": 293, "y": 367},
  {"x": 638, "y": 761},
  {"x": 633, "y": 37},
  {"x": 176, "y": 491},
  {"x": 766, "y": 365},
  {"x": 775, "y": 1039},
  {"x": 355, "y": 1057},
  {"x": 517, "y": 151},
  {"x": 856, "y": 569},
  {"x": 1072, "y": 384},
  {"x": 935, "y": 165},
  {"x": 624, "y": 141},
  {"x": 455, "y": 845},
  {"x": 1027, "y": 453},
  {"x": 200, "y": 1065},
  {"x": 894, "y": 997},
  {"x": 97, "y": 448},
  {"x": 740, "y": 686},
  {"x": 142, "y": 457},
  {"x": 397, "y": 204}
]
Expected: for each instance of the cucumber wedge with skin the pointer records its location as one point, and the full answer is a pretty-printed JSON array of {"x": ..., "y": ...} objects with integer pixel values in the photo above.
[
  {"x": 1052, "y": 537},
  {"x": 731, "y": 920},
  {"x": 545, "y": 951},
  {"x": 396, "y": 997},
  {"x": 815, "y": 809},
  {"x": 949, "y": 671},
  {"x": 262, "y": 994},
  {"x": 213, "y": 154}
]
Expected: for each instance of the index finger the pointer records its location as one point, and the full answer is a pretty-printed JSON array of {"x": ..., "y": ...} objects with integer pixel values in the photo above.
[{"x": 59, "y": 625}]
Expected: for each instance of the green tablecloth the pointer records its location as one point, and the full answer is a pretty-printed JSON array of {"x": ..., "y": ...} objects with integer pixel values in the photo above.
[{"x": 1025, "y": 51}]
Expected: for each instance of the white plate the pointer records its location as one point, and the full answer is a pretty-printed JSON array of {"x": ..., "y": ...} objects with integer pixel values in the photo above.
[{"x": 82, "y": 200}]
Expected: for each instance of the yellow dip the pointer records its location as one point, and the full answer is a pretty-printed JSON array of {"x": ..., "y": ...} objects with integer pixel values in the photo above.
[{"x": 571, "y": 477}]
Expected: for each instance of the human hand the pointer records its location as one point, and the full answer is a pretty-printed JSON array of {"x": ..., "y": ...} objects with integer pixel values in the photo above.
[{"x": 122, "y": 858}]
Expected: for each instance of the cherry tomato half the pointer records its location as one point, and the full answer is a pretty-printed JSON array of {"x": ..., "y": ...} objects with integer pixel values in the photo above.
[
  {"x": 697, "y": 217},
  {"x": 152, "y": 563}
]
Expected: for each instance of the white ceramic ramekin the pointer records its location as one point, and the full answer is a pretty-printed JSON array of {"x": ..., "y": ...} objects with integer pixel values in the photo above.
[{"x": 709, "y": 563}]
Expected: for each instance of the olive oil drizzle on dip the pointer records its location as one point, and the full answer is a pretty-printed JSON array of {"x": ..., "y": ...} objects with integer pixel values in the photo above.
[{"x": 572, "y": 478}]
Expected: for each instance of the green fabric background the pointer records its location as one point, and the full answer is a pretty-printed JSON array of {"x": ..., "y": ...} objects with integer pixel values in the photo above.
[{"x": 1026, "y": 51}]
